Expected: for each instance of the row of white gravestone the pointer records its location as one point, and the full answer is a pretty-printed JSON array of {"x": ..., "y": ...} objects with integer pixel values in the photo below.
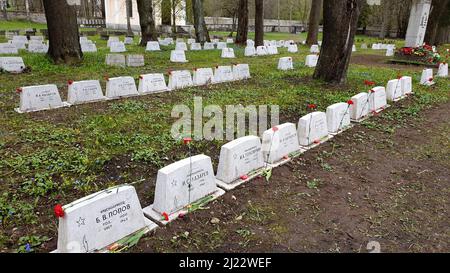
[
  {"x": 96, "y": 221},
  {"x": 380, "y": 46},
  {"x": 427, "y": 77},
  {"x": 132, "y": 60},
  {"x": 286, "y": 63},
  {"x": 87, "y": 46},
  {"x": 44, "y": 97}
]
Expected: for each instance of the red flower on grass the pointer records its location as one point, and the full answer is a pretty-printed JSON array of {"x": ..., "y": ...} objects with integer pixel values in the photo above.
[
  {"x": 312, "y": 106},
  {"x": 369, "y": 83},
  {"x": 59, "y": 211},
  {"x": 430, "y": 79},
  {"x": 19, "y": 90}
]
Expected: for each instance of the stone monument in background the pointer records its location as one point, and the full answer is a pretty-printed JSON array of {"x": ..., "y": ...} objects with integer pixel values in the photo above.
[{"x": 418, "y": 21}]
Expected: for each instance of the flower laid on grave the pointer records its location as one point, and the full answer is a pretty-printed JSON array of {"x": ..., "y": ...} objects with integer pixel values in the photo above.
[
  {"x": 350, "y": 102},
  {"x": 59, "y": 211},
  {"x": 187, "y": 140},
  {"x": 368, "y": 83},
  {"x": 424, "y": 55}
]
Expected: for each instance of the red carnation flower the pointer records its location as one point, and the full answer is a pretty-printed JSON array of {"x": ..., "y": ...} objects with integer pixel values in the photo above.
[
  {"x": 187, "y": 140},
  {"x": 140, "y": 77},
  {"x": 312, "y": 106},
  {"x": 430, "y": 79},
  {"x": 275, "y": 128},
  {"x": 244, "y": 177},
  {"x": 70, "y": 82},
  {"x": 165, "y": 216},
  {"x": 19, "y": 90},
  {"x": 350, "y": 102},
  {"x": 59, "y": 211}
]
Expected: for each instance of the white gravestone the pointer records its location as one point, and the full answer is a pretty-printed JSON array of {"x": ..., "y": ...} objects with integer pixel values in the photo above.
[
  {"x": 427, "y": 77},
  {"x": 7, "y": 48},
  {"x": 377, "y": 99},
  {"x": 221, "y": 45},
  {"x": 250, "y": 43},
  {"x": 18, "y": 44},
  {"x": 84, "y": 92},
  {"x": 181, "y": 184},
  {"x": 135, "y": 60},
  {"x": 196, "y": 46},
  {"x": 181, "y": 46},
  {"x": 228, "y": 53},
  {"x": 96, "y": 221},
  {"x": 280, "y": 143},
  {"x": 223, "y": 73},
  {"x": 208, "y": 46},
  {"x": 121, "y": 87},
  {"x": 180, "y": 79},
  {"x": 84, "y": 39},
  {"x": 293, "y": 48},
  {"x": 241, "y": 72},
  {"x": 406, "y": 83},
  {"x": 152, "y": 83},
  {"x": 128, "y": 40},
  {"x": 250, "y": 51},
  {"x": 230, "y": 41},
  {"x": 179, "y": 40},
  {"x": 376, "y": 46},
  {"x": 311, "y": 60},
  {"x": 360, "y": 107},
  {"x": 364, "y": 46},
  {"x": 394, "y": 90},
  {"x": 117, "y": 47},
  {"x": 37, "y": 38},
  {"x": 285, "y": 63},
  {"x": 12, "y": 64},
  {"x": 261, "y": 51},
  {"x": 313, "y": 129},
  {"x": 37, "y": 48},
  {"x": 443, "y": 70},
  {"x": 354, "y": 48},
  {"x": 203, "y": 76},
  {"x": 272, "y": 50},
  {"x": 115, "y": 60},
  {"x": 152, "y": 46},
  {"x": 190, "y": 41},
  {"x": 37, "y": 98},
  {"x": 338, "y": 117},
  {"x": 239, "y": 161},
  {"x": 418, "y": 21},
  {"x": 112, "y": 40},
  {"x": 88, "y": 47},
  {"x": 280, "y": 43},
  {"x": 20, "y": 38},
  {"x": 178, "y": 56},
  {"x": 389, "y": 52},
  {"x": 314, "y": 49}
]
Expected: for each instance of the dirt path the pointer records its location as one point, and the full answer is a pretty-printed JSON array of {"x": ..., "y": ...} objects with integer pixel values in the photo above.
[{"x": 386, "y": 181}]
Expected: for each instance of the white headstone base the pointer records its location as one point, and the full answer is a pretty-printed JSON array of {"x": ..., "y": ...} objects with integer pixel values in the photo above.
[
  {"x": 158, "y": 218},
  {"x": 231, "y": 186},
  {"x": 317, "y": 142}
]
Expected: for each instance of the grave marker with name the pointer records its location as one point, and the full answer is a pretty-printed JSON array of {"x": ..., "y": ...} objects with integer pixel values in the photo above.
[
  {"x": 181, "y": 46},
  {"x": 181, "y": 184},
  {"x": 311, "y": 60},
  {"x": 261, "y": 51},
  {"x": 7, "y": 48},
  {"x": 84, "y": 92},
  {"x": 443, "y": 70},
  {"x": 221, "y": 45},
  {"x": 360, "y": 107},
  {"x": 228, "y": 53},
  {"x": 12, "y": 64},
  {"x": 338, "y": 117},
  {"x": 96, "y": 221},
  {"x": 196, "y": 46},
  {"x": 427, "y": 77},
  {"x": 293, "y": 48},
  {"x": 152, "y": 46},
  {"x": 203, "y": 76},
  {"x": 180, "y": 79},
  {"x": 135, "y": 60},
  {"x": 250, "y": 51},
  {"x": 208, "y": 46},
  {"x": 223, "y": 73},
  {"x": 406, "y": 83},
  {"x": 37, "y": 48},
  {"x": 151, "y": 83},
  {"x": 394, "y": 90},
  {"x": 115, "y": 60},
  {"x": 314, "y": 49},
  {"x": 178, "y": 56},
  {"x": 40, "y": 97},
  {"x": 279, "y": 143},
  {"x": 285, "y": 63},
  {"x": 377, "y": 99},
  {"x": 241, "y": 72},
  {"x": 117, "y": 47},
  {"x": 121, "y": 87},
  {"x": 312, "y": 129}
]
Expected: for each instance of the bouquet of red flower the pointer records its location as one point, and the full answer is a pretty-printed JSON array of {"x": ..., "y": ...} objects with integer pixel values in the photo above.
[{"x": 423, "y": 54}]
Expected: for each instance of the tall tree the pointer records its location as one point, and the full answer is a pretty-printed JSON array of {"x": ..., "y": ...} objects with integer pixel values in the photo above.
[
  {"x": 438, "y": 10},
  {"x": 146, "y": 20},
  {"x": 259, "y": 22},
  {"x": 201, "y": 31},
  {"x": 314, "y": 20},
  {"x": 4, "y": 6},
  {"x": 242, "y": 29},
  {"x": 340, "y": 18},
  {"x": 129, "y": 11},
  {"x": 385, "y": 4},
  {"x": 63, "y": 31}
]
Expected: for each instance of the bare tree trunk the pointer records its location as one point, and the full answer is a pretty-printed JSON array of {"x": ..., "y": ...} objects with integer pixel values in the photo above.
[
  {"x": 148, "y": 29},
  {"x": 62, "y": 32},
  {"x": 174, "y": 16},
  {"x": 339, "y": 29},
  {"x": 242, "y": 29},
  {"x": 199, "y": 22},
  {"x": 314, "y": 20},
  {"x": 128, "y": 6},
  {"x": 385, "y": 19},
  {"x": 103, "y": 9},
  {"x": 4, "y": 10},
  {"x": 438, "y": 11},
  {"x": 259, "y": 22},
  {"x": 233, "y": 24}
]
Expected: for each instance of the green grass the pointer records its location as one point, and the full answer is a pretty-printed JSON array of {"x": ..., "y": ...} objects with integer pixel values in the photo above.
[
  {"x": 60, "y": 155},
  {"x": 20, "y": 25}
]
